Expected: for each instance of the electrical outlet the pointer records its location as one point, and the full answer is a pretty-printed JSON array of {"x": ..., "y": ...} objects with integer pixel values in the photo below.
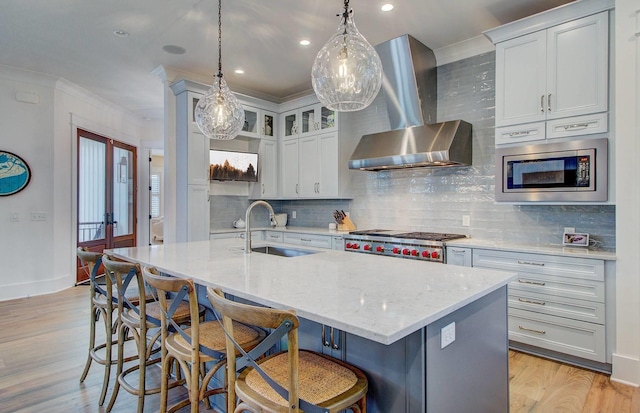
[
  {"x": 293, "y": 214},
  {"x": 569, "y": 230},
  {"x": 466, "y": 220},
  {"x": 447, "y": 335}
]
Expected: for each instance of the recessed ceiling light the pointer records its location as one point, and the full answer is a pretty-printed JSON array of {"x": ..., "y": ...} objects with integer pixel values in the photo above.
[
  {"x": 305, "y": 42},
  {"x": 173, "y": 49},
  {"x": 387, "y": 7},
  {"x": 121, "y": 33},
  {"x": 239, "y": 71}
]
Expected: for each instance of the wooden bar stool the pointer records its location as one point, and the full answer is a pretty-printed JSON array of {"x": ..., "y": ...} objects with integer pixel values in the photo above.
[
  {"x": 101, "y": 305},
  {"x": 139, "y": 319},
  {"x": 289, "y": 381},
  {"x": 194, "y": 346}
]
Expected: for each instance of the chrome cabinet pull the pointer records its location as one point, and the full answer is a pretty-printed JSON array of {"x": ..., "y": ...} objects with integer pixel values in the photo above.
[
  {"x": 542, "y": 103},
  {"x": 304, "y": 240},
  {"x": 519, "y": 133},
  {"x": 297, "y": 189},
  {"x": 539, "y": 264},
  {"x": 576, "y": 126},
  {"x": 531, "y": 282},
  {"x": 325, "y": 343},
  {"x": 334, "y": 344},
  {"x": 549, "y": 102},
  {"x": 456, "y": 250},
  {"x": 522, "y": 300},
  {"x": 263, "y": 188},
  {"x": 532, "y": 330}
]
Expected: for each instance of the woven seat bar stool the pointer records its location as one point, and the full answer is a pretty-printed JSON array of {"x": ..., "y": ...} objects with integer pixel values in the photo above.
[
  {"x": 192, "y": 347},
  {"x": 289, "y": 381},
  {"x": 139, "y": 318},
  {"x": 101, "y": 305}
]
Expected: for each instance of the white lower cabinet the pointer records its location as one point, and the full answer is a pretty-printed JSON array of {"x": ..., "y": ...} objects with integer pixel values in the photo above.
[
  {"x": 556, "y": 303},
  {"x": 312, "y": 240},
  {"x": 459, "y": 256}
]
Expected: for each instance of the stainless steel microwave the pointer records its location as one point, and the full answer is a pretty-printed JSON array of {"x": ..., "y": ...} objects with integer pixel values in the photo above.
[{"x": 570, "y": 171}]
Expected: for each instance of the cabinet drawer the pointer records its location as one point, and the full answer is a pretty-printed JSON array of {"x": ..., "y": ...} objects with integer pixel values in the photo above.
[
  {"x": 318, "y": 241},
  {"x": 588, "y": 311},
  {"x": 577, "y": 126},
  {"x": 273, "y": 236},
  {"x": 520, "y": 133},
  {"x": 577, "y": 338},
  {"x": 550, "y": 265},
  {"x": 559, "y": 286}
]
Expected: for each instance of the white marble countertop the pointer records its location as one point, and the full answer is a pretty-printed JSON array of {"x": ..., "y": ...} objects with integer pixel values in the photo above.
[
  {"x": 580, "y": 252},
  {"x": 378, "y": 298},
  {"x": 303, "y": 230}
]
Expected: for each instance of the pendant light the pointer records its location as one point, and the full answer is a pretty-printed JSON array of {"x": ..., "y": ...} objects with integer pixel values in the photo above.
[
  {"x": 218, "y": 113},
  {"x": 347, "y": 72}
]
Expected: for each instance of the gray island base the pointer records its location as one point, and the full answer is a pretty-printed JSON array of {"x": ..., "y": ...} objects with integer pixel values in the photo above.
[{"x": 385, "y": 316}]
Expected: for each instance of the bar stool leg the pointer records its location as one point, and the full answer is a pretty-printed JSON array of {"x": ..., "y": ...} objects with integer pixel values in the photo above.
[
  {"x": 108, "y": 328},
  {"x": 94, "y": 315},
  {"x": 120, "y": 363}
]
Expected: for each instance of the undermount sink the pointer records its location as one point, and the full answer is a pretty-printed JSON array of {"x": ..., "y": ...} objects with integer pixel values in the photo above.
[{"x": 282, "y": 252}]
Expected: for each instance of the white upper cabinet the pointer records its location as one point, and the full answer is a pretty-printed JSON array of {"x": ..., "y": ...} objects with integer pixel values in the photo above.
[
  {"x": 307, "y": 121},
  {"x": 560, "y": 72},
  {"x": 310, "y": 167},
  {"x": 267, "y": 187},
  {"x": 258, "y": 123}
]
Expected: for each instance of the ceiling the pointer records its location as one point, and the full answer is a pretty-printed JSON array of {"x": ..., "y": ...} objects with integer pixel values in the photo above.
[{"x": 75, "y": 39}]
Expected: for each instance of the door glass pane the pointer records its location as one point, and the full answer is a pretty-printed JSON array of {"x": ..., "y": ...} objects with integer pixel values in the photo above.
[
  {"x": 123, "y": 219},
  {"x": 91, "y": 190}
]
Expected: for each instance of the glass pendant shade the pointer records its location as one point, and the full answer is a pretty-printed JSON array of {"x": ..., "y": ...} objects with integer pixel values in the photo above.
[
  {"x": 218, "y": 113},
  {"x": 347, "y": 72}
]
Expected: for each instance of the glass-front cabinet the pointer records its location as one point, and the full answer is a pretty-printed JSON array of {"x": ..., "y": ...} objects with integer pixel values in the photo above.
[
  {"x": 309, "y": 120},
  {"x": 258, "y": 123}
]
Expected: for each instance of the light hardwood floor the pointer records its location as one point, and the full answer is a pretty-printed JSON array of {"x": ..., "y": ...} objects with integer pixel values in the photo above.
[{"x": 43, "y": 348}]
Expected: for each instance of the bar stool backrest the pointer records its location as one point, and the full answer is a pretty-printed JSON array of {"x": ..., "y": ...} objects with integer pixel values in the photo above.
[{"x": 121, "y": 275}]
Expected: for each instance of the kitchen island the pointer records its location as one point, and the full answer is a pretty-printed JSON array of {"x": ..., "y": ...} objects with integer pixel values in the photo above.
[{"x": 383, "y": 315}]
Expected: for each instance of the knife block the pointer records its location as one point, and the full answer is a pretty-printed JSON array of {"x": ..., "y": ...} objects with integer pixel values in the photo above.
[{"x": 347, "y": 225}]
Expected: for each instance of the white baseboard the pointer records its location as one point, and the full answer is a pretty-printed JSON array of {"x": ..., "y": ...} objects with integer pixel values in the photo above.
[
  {"x": 626, "y": 370},
  {"x": 39, "y": 287}
]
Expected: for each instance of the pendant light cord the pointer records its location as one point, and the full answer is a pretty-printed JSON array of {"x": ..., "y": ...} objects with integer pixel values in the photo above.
[
  {"x": 345, "y": 15},
  {"x": 219, "y": 41}
]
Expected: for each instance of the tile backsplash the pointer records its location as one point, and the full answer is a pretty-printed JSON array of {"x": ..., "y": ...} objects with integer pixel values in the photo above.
[{"x": 436, "y": 199}]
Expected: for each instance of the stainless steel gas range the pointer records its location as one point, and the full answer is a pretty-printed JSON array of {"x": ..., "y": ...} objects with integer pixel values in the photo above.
[{"x": 424, "y": 246}]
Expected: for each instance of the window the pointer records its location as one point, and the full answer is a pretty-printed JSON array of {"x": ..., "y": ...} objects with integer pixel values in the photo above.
[{"x": 155, "y": 195}]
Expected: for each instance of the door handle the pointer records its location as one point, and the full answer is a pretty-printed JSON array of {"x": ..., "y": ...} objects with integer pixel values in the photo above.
[{"x": 549, "y": 102}]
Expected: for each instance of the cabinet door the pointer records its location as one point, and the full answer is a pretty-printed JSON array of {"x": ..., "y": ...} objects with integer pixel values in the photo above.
[
  {"x": 327, "y": 119},
  {"x": 198, "y": 213},
  {"x": 289, "y": 168},
  {"x": 328, "y": 178},
  {"x": 520, "y": 79},
  {"x": 309, "y": 166},
  {"x": 198, "y": 159},
  {"x": 268, "y": 126},
  {"x": 459, "y": 256},
  {"x": 289, "y": 128},
  {"x": 268, "y": 168},
  {"x": 251, "y": 127},
  {"x": 308, "y": 121},
  {"x": 577, "y": 67}
]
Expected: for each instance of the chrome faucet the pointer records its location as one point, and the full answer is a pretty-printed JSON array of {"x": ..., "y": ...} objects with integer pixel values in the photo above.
[{"x": 247, "y": 220}]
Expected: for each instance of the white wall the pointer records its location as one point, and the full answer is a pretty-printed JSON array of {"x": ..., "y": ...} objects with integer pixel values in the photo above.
[
  {"x": 39, "y": 256},
  {"x": 626, "y": 359}
]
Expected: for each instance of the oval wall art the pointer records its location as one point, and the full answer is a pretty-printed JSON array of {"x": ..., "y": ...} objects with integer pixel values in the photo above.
[{"x": 14, "y": 173}]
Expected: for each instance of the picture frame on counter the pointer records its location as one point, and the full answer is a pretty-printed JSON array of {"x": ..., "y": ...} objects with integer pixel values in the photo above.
[{"x": 575, "y": 239}]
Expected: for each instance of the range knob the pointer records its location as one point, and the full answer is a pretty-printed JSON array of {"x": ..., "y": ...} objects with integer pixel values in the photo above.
[
  {"x": 405, "y": 251},
  {"x": 367, "y": 247},
  {"x": 435, "y": 255},
  {"x": 355, "y": 246},
  {"x": 396, "y": 250},
  {"x": 425, "y": 254},
  {"x": 380, "y": 248},
  {"x": 348, "y": 245},
  {"x": 414, "y": 253}
]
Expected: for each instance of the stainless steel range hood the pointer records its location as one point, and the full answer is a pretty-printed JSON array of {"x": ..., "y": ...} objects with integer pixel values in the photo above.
[{"x": 410, "y": 88}]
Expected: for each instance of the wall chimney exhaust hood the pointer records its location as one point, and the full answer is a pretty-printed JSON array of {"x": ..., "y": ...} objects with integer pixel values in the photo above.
[{"x": 410, "y": 89}]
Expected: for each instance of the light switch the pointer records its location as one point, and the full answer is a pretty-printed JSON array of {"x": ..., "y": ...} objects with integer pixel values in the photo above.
[
  {"x": 38, "y": 216},
  {"x": 14, "y": 217}
]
